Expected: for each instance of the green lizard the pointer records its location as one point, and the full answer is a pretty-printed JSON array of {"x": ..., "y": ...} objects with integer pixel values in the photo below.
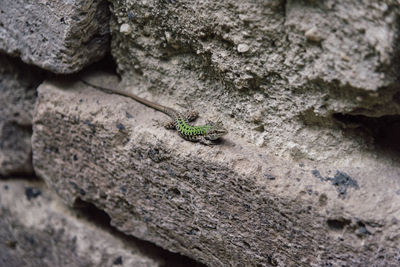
[{"x": 205, "y": 134}]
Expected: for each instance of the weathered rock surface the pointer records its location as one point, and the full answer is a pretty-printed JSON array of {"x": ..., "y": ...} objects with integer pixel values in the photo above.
[
  {"x": 37, "y": 229},
  {"x": 231, "y": 204},
  {"x": 287, "y": 75},
  {"x": 60, "y": 36},
  {"x": 18, "y": 83}
]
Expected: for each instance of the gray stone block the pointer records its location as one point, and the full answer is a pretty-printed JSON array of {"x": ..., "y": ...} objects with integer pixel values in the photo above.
[
  {"x": 231, "y": 204},
  {"x": 37, "y": 229},
  {"x": 18, "y": 84},
  {"x": 60, "y": 36}
]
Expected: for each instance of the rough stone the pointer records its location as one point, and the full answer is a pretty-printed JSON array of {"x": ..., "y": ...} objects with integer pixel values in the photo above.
[
  {"x": 313, "y": 35},
  {"x": 217, "y": 204},
  {"x": 323, "y": 67},
  {"x": 242, "y": 48},
  {"x": 18, "y": 84},
  {"x": 39, "y": 230},
  {"x": 60, "y": 36}
]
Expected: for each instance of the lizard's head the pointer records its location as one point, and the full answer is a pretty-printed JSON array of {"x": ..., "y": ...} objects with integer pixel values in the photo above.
[{"x": 216, "y": 130}]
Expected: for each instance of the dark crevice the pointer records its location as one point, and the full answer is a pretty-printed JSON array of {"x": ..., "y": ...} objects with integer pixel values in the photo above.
[
  {"x": 384, "y": 131},
  {"x": 26, "y": 73},
  {"x": 338, "y": 224},
  {"x": 101, "y": 219},
  {"x": 107, "y": 64},
  {"x": 22, "y": 175}
]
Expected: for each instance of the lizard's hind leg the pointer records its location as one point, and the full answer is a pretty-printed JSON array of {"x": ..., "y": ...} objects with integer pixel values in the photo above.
[
  {"x": 169, "y": 124},
  {"x": 205, "y": 141}
]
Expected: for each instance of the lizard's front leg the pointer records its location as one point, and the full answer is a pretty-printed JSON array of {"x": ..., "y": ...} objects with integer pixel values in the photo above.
[
  {"x": 205, "y": 141},
  {"x": 190, "y": 115}
]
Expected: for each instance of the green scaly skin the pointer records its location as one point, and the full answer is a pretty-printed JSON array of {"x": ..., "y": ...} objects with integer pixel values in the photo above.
[{"x": 205, "y": 134}]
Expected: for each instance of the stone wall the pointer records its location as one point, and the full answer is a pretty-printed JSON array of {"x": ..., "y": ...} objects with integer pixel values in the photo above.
[{"x": 309, "y": 173}]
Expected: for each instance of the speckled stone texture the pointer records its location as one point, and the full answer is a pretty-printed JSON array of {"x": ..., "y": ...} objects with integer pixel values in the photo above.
[
  {"x": 37, "y": 229},
  {"x": 60, "y": 36},
  {"x": 18, "y": 83},
  {"x": 232, "y": 204},
  {"x": 304, "y": 79}
]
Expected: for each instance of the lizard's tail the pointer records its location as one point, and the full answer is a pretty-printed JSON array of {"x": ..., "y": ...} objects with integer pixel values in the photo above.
[{"x": 128, "y": 94}]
